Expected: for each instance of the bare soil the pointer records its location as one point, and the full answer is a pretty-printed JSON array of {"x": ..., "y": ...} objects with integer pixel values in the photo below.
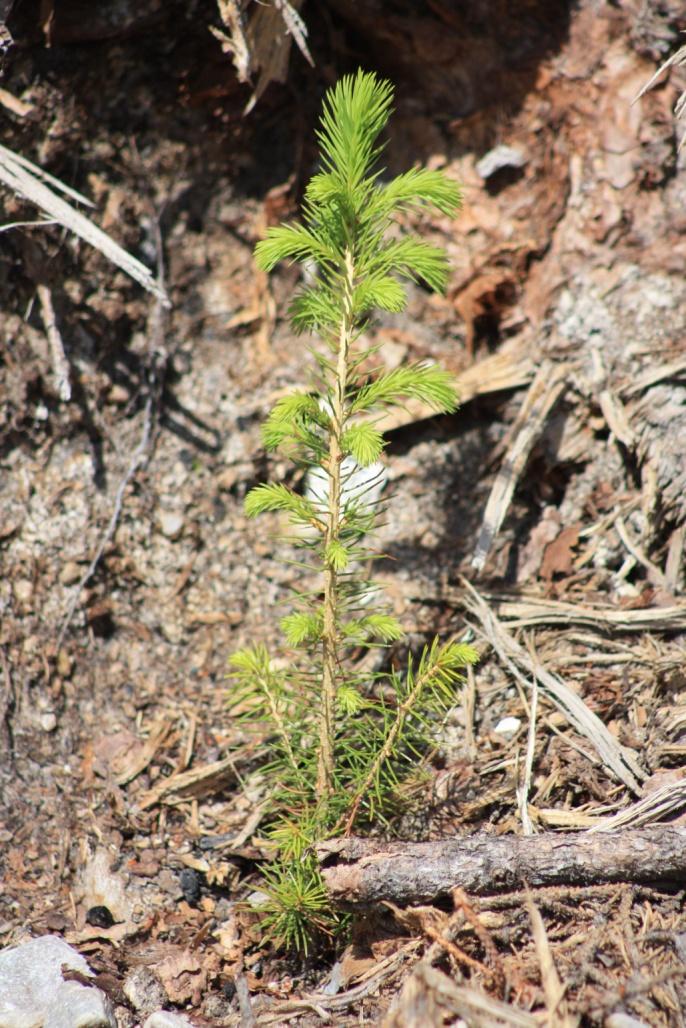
[{"x": 123, "y": 782}]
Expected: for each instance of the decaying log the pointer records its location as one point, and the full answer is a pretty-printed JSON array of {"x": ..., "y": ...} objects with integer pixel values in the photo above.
[{"x": 362, "y": 871}]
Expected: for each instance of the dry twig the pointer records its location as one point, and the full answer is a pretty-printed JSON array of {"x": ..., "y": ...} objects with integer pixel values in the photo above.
[{"x": 60, "y": 365}]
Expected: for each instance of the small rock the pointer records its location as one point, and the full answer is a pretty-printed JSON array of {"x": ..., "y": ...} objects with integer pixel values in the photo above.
[
  {"x": 99, "y": 916},
  {"x": 189, "y": 880},
  {"x": 171, "y": 524},
  {"x": 118, "y": 395},
  {"x": 23, "y": 590},
  {"x": 508, "y": 727},
  {"x": 622, "y": 1020},
  {"x": 165, "y": 1019},
  {"x": 33, "y": 991},
  {"x": 145, "y": 991},
  {"x": 70, "y": 573},
  {"x": 48, "y": 721}
]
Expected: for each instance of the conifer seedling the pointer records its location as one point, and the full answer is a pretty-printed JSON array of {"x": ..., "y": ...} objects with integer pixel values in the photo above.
[{"x": 338, "y": 741}]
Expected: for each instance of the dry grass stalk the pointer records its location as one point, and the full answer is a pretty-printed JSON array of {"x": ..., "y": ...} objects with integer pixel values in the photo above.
[
  {"x": 651, "y": 808},
  {"x": 553, "y": 989},
  {"x": 533, "y": 611},
  {"x": 29, "y": 181},
  {"x": 524, "y": 790},
  {"x": 617, "y": 759}
]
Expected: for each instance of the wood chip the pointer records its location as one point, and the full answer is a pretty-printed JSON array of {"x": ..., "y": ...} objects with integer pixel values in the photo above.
[
  {"x": 12, "y": 103},
  {"x": 196, "y": 783},
  {"x": 142, "y": 755}
]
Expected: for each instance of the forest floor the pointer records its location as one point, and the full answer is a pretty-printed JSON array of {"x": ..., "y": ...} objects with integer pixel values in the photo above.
[{"x": 552, "y": 505}]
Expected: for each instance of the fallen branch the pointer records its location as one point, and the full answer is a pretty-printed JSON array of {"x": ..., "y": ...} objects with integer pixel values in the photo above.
[{"x": 362, "y": 871}]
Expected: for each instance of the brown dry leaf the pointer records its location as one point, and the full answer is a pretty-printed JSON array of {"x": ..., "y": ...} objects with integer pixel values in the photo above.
[
  {"x": 543, "y": 533},
  {"x": 110, "y": 751},
  {"x": 182, "y": 976},
  {"x": 486, "y": 295},
  {"x": 558, "y": 557},
  {"x": 116, "y": 934},
  {"x": 352, "y": 966}
]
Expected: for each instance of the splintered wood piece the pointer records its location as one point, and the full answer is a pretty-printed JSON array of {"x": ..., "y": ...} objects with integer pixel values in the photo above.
[
  {"x": 612, "y": 408},
  {"x": 363, "y": 871},
  {"x": 196, "y": 783},
  {"x": 510, "y": 368},
  {"x": 542, "y": 396},
  {"x": 269, "y": 32}
]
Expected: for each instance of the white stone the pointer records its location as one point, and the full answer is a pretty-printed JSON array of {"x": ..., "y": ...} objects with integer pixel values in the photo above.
[
  {"x": 171, "y": 524},
  {"x": 48, "y": 721},
  {"x": 508, "y": 727},
  {"x": 33, "y": 993},
  {"x": 165, "y": 1019}
]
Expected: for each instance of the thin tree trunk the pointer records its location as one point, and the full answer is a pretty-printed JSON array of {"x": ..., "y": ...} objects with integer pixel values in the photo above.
[{"x": 330, "y": 657}]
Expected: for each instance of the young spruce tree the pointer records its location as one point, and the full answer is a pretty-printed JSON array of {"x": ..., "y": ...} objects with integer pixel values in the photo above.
[{"x": 339, "y": 741}]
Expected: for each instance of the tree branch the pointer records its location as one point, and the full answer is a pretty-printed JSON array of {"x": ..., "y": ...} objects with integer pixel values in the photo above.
[{"x": 361, "y": 871}]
